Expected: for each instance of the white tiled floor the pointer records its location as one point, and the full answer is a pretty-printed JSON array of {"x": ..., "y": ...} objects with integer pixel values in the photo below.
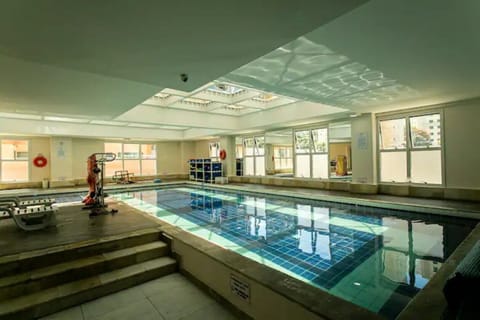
[{"x": 169, "y": 298}]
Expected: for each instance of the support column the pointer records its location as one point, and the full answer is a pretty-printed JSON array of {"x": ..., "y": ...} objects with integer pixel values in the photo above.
[
  {"x": 228, "y": 144},
  {"x": 364, "y": 158}
]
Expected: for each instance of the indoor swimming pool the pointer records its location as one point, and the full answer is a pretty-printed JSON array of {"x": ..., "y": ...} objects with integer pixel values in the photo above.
[{"x": 376, "y": 258}]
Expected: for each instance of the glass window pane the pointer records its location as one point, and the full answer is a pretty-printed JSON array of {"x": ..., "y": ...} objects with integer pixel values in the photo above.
[
  {"x": 149, "y": 151},
  {"x": 426, "y": 131},
  {"x": 214, "y": 149},
  {"x": 132, "y": 166},
  {"x": 320, "y": 140},
  {"x": 149, "y": 167},
  {"x": 15, "y": 171},
  {"x": 130, "y": 151},
  {"x": 426, "y": 166},
  {"x": 248, "y": 166},
  {"x": 259, "y": 166},
  {"x": 302, "y": 166},
  {"x": 248, "y": 144},
  {"x": 302, "y": 141},
  {"x": 259, "y": 146},
  {"x": 114, "y": 148},
  {"x": 393, "y": 134},
  {"x": 320, "y": 165},
  {"x": 14, "y": 150},
  {"x": 393, "y": 166},
  {"x": 239, "y": 151},
  {"x": 111, "y": 167}
]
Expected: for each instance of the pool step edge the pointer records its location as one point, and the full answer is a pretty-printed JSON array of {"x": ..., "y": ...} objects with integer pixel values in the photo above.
[{"x": 74, "y": 293}]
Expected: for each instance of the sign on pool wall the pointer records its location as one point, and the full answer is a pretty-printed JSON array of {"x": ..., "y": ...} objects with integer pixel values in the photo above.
[{"x": 240, "y": 288}]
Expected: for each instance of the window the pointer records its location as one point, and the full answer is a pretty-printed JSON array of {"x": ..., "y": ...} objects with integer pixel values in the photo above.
[
  {"x": 426, "y": 153},
  {"x": 254, "y": 156},
  {"x": 311, "y": 153},
  {"x": 214, "y": 150},
  {"x": 416, "y": 157},
  {"x": 393, "y": 150},
  {"x": 139, "y": 159},
  {"x": 14, "y": 160},
  {"x": 283, "y": 157}
]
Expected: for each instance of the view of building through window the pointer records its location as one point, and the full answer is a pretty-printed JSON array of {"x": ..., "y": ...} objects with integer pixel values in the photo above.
[{"x": 417, "y": 160}]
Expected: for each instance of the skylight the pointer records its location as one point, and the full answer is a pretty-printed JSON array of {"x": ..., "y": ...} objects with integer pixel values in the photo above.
[
  {"x": 161, "y": 95},
  {"x": 265, "y": 97},
  {"x": 197, "y": 101},
  {"x": 225, "y": 89}
]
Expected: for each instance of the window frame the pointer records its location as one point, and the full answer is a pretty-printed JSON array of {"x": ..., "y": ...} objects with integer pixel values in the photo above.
[
  {"x": 215, "y": 144},
  {"x": 28, "y": 160},
  {"x": 311, "y": 151},
  {"x": 140, "y": 158},
  {"x": 255, "y": 154},
  {"x": 409, "y": 148}
]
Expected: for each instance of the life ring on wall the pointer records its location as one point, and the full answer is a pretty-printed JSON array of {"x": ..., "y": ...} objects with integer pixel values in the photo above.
[
  {"x": 223, "y": 154},
  {"x": 40, "y": 161}
]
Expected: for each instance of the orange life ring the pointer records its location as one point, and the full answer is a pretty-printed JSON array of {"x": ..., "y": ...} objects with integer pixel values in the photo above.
[
  {"x": 223, "y": 154},
  {"x": 40, "y": 161}
]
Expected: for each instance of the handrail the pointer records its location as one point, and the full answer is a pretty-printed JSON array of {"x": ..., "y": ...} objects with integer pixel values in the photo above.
[{"x": 105, "y": 156}]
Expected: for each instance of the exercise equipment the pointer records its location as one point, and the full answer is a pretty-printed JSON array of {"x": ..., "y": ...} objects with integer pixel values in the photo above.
[
  {"x": 95, "y": 199},
  {"x": 122, "y": 177},
  {"x": 31, "y": 214}
]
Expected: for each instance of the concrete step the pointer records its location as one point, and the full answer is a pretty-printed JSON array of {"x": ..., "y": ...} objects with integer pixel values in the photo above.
[
  {"x": 23, "y": 262},
  {"x": 53, "y": 275},
  {"x": 57, "y": 298}
]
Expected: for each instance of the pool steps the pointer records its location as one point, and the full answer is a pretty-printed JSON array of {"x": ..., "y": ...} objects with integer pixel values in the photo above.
[{"x": 37, "y": 283}]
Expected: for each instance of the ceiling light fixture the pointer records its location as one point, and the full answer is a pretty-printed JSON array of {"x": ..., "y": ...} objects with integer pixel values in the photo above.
[
  {"x": 65, "y": 119},
  {"x": 233, "y": 107},
  {"x": 20, "y": 116}
]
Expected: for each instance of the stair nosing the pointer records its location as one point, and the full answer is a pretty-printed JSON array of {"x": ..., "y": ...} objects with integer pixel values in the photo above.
[
  {"x": 72, "y": 264},
  {"x": 32, "y": 254},
  {"x": 44, "y": 298}
]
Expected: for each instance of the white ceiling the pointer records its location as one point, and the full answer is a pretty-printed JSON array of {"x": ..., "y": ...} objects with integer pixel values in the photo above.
[
  {"x": 384, "y": 55},
  {"x": 72, "y": 69}
]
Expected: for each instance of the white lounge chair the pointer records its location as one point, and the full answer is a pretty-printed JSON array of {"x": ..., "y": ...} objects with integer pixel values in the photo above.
[
  {"x": 30, "y": 218},
  {"x": 19, "y": 203}
]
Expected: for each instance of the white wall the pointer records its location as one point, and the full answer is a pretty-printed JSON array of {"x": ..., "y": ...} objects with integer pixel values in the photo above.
[
  {"x": 39, "y": 146},
  {"x": 201, "y": 148},
  {"x": 364, "y": 149},
  {"x": 462, "y": 152},
  {"x": 61, "y": 159},
  {"x": 82, "y": 149}
]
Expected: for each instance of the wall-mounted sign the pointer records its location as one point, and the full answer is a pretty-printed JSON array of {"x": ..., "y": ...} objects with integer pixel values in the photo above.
[{"x": 362, "y": 141}]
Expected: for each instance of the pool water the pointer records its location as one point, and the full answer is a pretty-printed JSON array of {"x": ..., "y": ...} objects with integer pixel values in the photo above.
[{"x": 376, "y": 258}]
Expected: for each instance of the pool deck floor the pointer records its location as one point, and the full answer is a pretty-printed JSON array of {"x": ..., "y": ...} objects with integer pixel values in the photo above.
[
  {"x": 171, "y": 297},
  {"x": 73, "y": 225},
  {"x": 459, "y": 205}
]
